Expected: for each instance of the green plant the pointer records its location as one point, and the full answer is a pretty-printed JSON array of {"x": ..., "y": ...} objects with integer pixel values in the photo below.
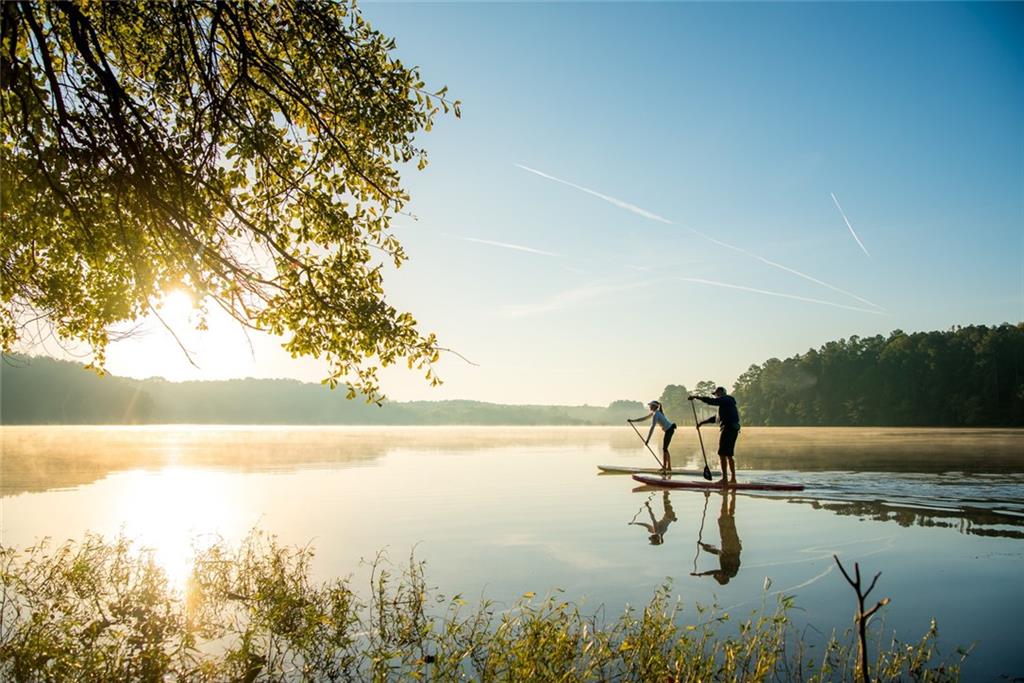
[{"x": 99, "y": 610}]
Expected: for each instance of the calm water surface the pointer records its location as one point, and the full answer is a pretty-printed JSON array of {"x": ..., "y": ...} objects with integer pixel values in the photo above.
[{"x": 498, "y": 512}]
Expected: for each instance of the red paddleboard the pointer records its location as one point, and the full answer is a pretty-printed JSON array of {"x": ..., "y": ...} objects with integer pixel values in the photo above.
[{"x": 712, "y": 485}]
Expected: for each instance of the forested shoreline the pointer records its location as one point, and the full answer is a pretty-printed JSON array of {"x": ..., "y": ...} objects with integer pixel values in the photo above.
[{"x": 971, "y": 376}]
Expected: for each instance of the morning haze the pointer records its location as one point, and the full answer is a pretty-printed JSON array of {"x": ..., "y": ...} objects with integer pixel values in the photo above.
[{"x": 511, "y": 341}]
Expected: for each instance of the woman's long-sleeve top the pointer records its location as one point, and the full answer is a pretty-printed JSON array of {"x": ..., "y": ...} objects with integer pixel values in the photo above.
[{"x": 659, "y": 420}]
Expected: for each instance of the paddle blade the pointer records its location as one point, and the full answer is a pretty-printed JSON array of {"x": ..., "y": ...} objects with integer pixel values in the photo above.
[{"x": 707, "y": 472}]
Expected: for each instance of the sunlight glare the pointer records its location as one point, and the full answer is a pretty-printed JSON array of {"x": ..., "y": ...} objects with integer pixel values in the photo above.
[
  {"x": 175, "y": 511},
  {"x": 177, "y": 305}
]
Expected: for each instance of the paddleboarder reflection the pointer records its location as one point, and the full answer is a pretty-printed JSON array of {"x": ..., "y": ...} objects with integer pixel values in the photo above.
[
  {"x": 729, "y": 553},
  {"x": 657, "y": 527}
]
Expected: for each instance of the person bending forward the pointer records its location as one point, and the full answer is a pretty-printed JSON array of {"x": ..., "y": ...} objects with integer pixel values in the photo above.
[{"x": 658, "y": 419}]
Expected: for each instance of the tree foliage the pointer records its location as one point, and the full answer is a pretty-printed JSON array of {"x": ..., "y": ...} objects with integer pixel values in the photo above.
[
  {"x": 966, "y": 377},
  {"x": 248, "y": 153},
  {"x": 675, "y": 405}
]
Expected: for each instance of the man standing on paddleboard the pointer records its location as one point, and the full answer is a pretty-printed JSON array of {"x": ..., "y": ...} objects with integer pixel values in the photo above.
[
  {"x": 658, "y": 419},
  {"x": 729, "y": 425}
]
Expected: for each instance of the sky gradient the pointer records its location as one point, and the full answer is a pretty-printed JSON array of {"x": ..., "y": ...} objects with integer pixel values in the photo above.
[{"x": 645, "y": 194}]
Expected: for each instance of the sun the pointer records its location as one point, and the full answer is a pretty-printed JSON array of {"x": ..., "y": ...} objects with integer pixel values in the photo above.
[
  {"x": 179, "y": 342},
  {"x": 177, "y": 305}
]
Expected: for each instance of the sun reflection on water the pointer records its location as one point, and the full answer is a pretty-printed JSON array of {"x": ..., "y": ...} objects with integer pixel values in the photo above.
[{"x": 173, "y": 512}]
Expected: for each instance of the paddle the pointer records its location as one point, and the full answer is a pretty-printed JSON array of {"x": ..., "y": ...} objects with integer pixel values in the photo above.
[
  {"x": 660, "y": 463},
  {"x": 707, "y": 470},
  {"x": 700, "y": 534}
]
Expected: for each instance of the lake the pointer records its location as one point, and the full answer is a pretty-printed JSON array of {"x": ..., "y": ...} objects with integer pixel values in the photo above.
[{"x": 497, "y": 512}]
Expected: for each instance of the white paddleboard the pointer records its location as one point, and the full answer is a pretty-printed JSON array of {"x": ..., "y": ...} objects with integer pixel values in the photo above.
[{"x": 619, "y": 469}]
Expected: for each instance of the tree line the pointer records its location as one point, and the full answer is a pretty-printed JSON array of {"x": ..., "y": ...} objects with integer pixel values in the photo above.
[
  {"x": 970, "y": 376},
  {"x": 41, "y": 390}
]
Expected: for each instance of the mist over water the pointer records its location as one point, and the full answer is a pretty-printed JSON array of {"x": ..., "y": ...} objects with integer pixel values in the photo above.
[{"x": 497, "y": 512}]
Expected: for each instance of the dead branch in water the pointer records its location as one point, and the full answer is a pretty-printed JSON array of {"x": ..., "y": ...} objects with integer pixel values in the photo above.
[{"x": 862, "y": 616}]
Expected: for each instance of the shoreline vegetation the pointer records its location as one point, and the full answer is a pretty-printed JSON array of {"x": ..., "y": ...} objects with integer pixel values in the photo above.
[
  {"x": 97, "y": 610},
  {"x": 969, "y": 376}
]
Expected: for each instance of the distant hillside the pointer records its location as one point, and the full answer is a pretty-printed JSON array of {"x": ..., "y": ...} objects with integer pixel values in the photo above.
[
  {"x": 45, "y": 391},
  {"x": 971, "y": 376}
]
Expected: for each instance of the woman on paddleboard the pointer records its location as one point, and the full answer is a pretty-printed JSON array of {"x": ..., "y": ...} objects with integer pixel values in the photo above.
[
  {"x": 657, "y": 528},
  {"x": 658, "y": 419}
]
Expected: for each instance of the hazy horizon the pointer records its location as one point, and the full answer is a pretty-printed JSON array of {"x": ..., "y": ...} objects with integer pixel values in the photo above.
[{"x": 645, "y": 194}]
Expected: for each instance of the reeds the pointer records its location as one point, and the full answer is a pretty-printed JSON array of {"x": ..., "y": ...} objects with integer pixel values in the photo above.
[{"x": 99, "y": 610}]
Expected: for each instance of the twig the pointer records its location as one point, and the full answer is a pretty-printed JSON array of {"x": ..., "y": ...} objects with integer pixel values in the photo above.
[
  {"x": 456, "y": 353},
  {"x": 188, "y": 355},
  {"x": 862, "y": 616}
]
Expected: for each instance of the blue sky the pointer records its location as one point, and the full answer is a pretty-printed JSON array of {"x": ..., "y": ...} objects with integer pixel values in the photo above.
[{"x": 735, "y": 122}]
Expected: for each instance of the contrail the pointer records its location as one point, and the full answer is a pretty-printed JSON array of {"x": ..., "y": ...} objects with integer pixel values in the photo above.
[
  {"x": 569, "y": 297},
  {"x": 504, "y": 245},
  {"x": 785, "y": 268},
  {"x": 617, "y": 202},
  {"x": 847, "y": 220},
  {"x": 647, "y": 214},
  {"x": 713, "y": 283}
]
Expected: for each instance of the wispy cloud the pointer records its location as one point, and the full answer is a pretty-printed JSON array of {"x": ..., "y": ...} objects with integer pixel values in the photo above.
[
  {"x": 503, "y": 245},
  {"x": 847, "y": 221},
  {"x": 617, "y": 202},
  {"x": 783, "y": 295},
  {"x": 647, "y": 214},
  {"x": 568, "y": 298}
]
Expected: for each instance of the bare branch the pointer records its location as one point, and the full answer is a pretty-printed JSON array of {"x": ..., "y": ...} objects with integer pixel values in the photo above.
[{"x": 175, "y": 336}]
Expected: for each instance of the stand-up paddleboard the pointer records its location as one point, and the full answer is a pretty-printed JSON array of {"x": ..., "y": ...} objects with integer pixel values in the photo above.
[
  {"x": 712, "y": 485},
  {"x": 620, "y": 469}
]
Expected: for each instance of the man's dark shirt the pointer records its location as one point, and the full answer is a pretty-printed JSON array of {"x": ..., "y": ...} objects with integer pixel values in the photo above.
[{"x": 728, "y": 414}]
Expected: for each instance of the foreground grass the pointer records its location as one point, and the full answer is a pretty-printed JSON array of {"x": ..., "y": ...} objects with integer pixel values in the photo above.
[{"x": 101, "y": 610}]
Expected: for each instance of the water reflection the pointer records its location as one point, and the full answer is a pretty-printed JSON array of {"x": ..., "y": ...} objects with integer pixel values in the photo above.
[
  {"x": 971, "y": 521},
  {"x": 495, "y": 512},
  {"x": 873, "y": 449},
  {"x": 44, "y": 458},
  {"x": 657, "y": 528},
  {"x": 174, "y": 512},
  {"x": 913, "y": 477},
  {"x": 36, "y": 459},
  {"x": 729, "y": 552}
]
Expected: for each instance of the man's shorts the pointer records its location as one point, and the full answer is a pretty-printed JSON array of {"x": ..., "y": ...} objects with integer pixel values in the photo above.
[{"x": 727, "y": 441}]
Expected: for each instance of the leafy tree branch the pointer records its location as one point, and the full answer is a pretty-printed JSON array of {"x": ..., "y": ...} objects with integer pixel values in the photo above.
[{"x": 249, "y": 153}]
